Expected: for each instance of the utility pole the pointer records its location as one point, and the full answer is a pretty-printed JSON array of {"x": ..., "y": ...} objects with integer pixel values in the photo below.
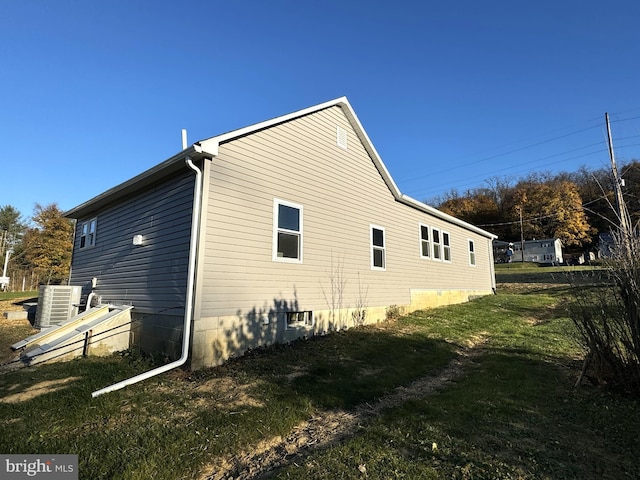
[
  {"x": 617, "y": 185},
  {"x": 521, "y": 235}
]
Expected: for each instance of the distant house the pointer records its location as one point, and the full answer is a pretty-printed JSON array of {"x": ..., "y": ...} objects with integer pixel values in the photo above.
[
  {"x": 288, "y": 228},
  {"x": 606, "y": 244},
  {"x": 546, "y": 251}
]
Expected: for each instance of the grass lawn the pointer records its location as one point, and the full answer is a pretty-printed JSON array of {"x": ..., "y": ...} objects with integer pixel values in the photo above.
[
  {"x": 519, "y": 272},
  {"x": 513, "y": 414},
  {"x": 12, "y": 331}
]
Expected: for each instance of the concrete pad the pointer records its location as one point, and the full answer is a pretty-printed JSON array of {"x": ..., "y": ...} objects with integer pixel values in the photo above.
[{"x": 19, "y": 315}]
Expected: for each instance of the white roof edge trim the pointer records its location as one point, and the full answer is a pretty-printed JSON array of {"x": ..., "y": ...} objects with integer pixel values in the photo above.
[
  {"x": 351, "y": 114},
  {"x": 212, "y": 144},
  {"x": 445, "y": 216},
  {"x": 193, "y": 149}
]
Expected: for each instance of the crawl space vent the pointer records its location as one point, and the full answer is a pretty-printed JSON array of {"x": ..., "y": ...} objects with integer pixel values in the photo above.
[{"x": 341, "y": 137}]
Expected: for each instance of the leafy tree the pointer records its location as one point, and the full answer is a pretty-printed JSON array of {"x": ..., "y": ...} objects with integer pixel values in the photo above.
[
  {"x": 48, "y": 246},
  {"x": 477, "y": 208},
  {"x": 550, "y": 209}
]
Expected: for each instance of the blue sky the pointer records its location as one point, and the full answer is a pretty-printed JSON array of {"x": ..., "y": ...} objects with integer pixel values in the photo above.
[{"x": 450, "y": 93}]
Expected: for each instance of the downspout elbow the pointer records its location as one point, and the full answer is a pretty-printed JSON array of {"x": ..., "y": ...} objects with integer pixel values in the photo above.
[{"x": 188, "y": 309}]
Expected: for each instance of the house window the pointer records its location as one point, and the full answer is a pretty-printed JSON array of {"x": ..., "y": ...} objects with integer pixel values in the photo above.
[
  {"x": 378, "y": 249},
  {"x": 437, "y": 247},
  {"x": 287, "y": 231},
  {"x": 472, "y": 253},
  {"x": 425, "y": 242},
  {"x": 88, "y": 233},
  {"x": 299, "y": 319},
  {"x": 446, "y": 246}
]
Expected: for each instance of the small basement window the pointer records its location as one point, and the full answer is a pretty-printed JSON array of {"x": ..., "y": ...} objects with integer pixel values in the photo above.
[
  {"x": 88, "y": 233},
  {"x": 299, "y": 319}
]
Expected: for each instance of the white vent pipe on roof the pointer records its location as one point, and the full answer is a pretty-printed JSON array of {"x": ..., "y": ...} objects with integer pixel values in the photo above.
[
  {"x": 184, "y": 138},
  {"x": 188, "y": 308}
]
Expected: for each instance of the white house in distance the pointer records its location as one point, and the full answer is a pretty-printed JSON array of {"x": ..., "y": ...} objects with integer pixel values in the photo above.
[
  {"x": 287, "y": 228},
  {"x": 545, "y": 251}
]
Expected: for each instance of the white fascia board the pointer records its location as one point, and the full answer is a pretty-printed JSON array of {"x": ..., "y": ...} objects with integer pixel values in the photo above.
[
  {"x": 211, "y": 145},
  {"x": 368, "y": 145},
  {"x": 132, "y": 184}
]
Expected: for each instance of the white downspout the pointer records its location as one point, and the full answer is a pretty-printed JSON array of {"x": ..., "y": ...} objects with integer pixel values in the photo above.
[{"x": 186, "y": 335}]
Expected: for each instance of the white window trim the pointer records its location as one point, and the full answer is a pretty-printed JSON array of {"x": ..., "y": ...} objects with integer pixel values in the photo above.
[
  {"x": 384, "y": 247},
  {"x": 90, "y": 242},
  {"x": 308, "y": 321},
  {"x": 420, "y": 240},
  {"x": 439, "y": 244},
  {"x": 444, "y": 247},
  {"x": 274, "y": 241},
  {"x": 471, "y": 242}
]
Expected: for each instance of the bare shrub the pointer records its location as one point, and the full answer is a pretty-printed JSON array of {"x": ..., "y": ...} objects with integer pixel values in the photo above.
[{"x": 607, "y": 317}]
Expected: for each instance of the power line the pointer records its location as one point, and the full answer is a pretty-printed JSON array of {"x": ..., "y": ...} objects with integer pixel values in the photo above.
[
  {"x": 488, "y": 174},
  {"x": 473, "y": 180},
  {"x": 470, "y": 180},
  {"x": 492, "y": 157}
]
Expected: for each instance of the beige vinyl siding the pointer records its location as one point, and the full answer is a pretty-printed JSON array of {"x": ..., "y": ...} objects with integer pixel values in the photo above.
[{"x": 342, "y": 194}]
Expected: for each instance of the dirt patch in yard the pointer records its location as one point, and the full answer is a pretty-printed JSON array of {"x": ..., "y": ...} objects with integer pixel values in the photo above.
[
  {"x": 229, "y": 393},
  {"x": 36, "y": 390},
  {"x": 328, "y": 428}
]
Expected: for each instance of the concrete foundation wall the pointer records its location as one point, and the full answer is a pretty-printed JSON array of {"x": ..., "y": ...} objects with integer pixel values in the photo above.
[
  {"x": 159, "y": 335},
  {"x": 216, "y": 339}
]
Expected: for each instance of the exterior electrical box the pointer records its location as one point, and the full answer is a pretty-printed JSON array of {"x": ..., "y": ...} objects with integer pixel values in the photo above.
[{"x": 56, "y": 304}]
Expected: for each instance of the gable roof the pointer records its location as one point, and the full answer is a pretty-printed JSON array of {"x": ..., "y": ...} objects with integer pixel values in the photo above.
[{"x": 209, "y": 148}]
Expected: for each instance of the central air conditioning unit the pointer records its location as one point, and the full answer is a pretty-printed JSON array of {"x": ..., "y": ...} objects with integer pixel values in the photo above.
[{"x": 56, "y": 304}]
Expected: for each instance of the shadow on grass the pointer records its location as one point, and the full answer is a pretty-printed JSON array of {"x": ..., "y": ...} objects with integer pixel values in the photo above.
[
  {"x": 349, "y": 368},
  {"x": 169, "y": 426},
  {"x": 510, "y": 417}
]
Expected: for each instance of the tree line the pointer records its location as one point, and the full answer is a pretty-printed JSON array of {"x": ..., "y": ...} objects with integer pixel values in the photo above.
[
  {"x": 38, "y": 249},
  {"x": 572, "y": 206}
]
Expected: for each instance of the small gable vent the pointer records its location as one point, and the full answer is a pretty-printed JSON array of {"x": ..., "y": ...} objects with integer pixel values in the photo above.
[{"x": 341, "y": 137}]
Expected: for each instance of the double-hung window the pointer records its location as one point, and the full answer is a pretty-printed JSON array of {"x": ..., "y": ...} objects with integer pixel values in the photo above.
[
  {"x": 437, "y": 246},
  {"x": 287, "y": 231},
  {"x": 446, "y": 247},
  {"x": 88, "y": 233},
  {"x": 378, "y": 248},
  {"x": 425, "y": 242},
  {"x": 472, "y": 253}
]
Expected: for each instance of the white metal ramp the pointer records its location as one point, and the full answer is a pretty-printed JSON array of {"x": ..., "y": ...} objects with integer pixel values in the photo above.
[{"x": 98, "y": 331}]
